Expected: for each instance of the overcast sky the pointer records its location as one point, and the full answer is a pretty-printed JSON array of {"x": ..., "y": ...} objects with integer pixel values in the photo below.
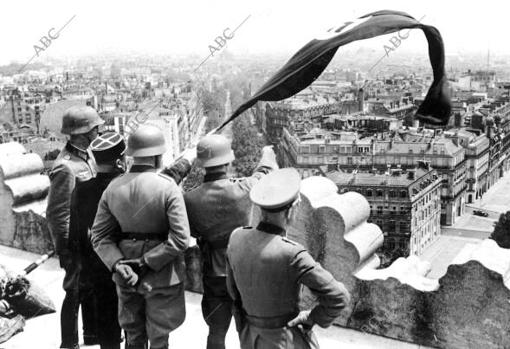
[{"x": 190, "y": 26}]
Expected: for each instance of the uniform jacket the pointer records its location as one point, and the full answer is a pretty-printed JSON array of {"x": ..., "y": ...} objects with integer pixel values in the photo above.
[
  {"x": 143, "y": 201},
  {"x": 86, "y": 198},
  {"x": 72, "y": 166},
  {"x": 265, "y": 272},
  {"x": 216, "y": 208}
]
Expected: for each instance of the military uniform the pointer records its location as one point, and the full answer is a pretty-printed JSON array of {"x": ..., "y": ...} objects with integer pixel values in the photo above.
[
  {"x": 72, "y": 166},
  {"x": 215, "y": 209},
  {"x": 88, "y": 195},
  {"x": 265, "y": 271},
  {"x": 142, "y": 215}
]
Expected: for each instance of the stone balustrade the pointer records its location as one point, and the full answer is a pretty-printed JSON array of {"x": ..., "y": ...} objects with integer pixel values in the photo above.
[
  {"x": 469, "y": 307},
  {"x": 23, "y": 192}
]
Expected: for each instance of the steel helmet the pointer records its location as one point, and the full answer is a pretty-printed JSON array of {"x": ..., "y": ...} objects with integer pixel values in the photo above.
[
  {"x": 80, "y": 119},
  {"x": 214, "y": 150},
  {"x": 147, "y": 140}
]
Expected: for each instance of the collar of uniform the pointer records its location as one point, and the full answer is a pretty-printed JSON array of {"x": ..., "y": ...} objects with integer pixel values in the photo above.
[
  {"x": 270, "y": 228},
  {"x": 211, "y": 177},
  {"x": 82, "y": 154},
  {"x": 142, "y": 168}
]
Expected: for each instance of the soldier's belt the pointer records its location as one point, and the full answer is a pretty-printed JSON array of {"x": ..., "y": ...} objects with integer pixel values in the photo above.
[
  {"x": 270, "y": 322},
  {"x": 141, "y": 236}
]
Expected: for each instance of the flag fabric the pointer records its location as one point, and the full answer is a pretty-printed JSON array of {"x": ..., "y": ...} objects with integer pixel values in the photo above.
[{"x": 311, "y": 60}]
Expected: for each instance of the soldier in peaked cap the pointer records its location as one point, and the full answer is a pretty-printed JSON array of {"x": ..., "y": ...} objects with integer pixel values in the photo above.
[
  {"x": 215, "y": 208},
  {"x": 140, "y": 233},
  {"x": 265, "y": 271},
  {"x": 74, "y": 164}
]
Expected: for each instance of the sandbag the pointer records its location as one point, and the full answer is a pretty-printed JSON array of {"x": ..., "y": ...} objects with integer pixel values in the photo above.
[
  {"x": 9, "y": 327},
  {"x": 27, "y": 299}
]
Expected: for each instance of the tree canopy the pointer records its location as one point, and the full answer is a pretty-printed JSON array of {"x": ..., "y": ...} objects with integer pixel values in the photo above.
[{"x": 501, "y": 233}]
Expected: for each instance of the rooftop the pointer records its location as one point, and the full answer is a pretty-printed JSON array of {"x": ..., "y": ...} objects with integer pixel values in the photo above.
[{"x": 374, "y": 179}]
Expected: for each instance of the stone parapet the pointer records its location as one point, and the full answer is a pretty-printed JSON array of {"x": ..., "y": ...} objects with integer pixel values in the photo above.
[
  {"x": 469, "y": 307},
  {"x": 23, "y": 192}
]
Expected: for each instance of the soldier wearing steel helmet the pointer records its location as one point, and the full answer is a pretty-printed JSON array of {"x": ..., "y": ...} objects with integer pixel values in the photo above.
[
  {"x": 73, "y": 165},
  {"x": 214, "y": 209},
  {"x": 109, "y": 153},
  {"x": 140, "y": 233},
  {"x": 265, "y": 271}
]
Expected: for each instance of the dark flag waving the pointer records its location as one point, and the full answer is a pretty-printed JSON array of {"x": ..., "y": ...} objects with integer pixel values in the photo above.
[{"x": 311, "y": 60}]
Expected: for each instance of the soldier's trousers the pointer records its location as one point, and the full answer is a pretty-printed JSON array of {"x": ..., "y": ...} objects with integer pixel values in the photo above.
[
  {"x": 150, "y": 315},
  {"x": 252, "y": 337},
  {"x": 108, "y": 329},
  {"x": 217, "y": 310},
  {"x": 78, "y": 292}
]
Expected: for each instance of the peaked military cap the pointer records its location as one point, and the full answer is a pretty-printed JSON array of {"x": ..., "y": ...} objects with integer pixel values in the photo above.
[
  {"x": 277, "y": 190},
  {"x": 108, "y": 147}
]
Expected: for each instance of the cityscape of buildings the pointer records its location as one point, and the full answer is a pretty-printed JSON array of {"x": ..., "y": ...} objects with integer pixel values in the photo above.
[{"x": 363, "y": 137}]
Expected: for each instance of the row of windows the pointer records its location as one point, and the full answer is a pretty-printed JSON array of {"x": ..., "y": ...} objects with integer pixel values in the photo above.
[
  {"x": 393, "y": 244},
  {"x": 393, "y": 211},
  {"x": 425, "y": 199},
  {"x": 390, "y": 226},
  {"x": 363, "y": 158},
  {"x": 380, "y": 193}
]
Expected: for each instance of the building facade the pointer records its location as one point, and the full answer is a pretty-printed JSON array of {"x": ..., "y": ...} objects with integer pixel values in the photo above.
[
  {"x": 405, "y": 205},
  {"x": 312, "y": 153}
]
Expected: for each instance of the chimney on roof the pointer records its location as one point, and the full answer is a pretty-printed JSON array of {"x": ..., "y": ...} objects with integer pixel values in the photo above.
[{"x": 411, "y": 174}]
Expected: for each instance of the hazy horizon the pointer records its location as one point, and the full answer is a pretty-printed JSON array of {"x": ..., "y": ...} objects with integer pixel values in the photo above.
[{"x": 270, "y": 27}]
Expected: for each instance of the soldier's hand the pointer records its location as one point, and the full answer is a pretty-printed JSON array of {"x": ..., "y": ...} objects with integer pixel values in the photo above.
[
  {"x": 190, "y": 154},
  {"x": 135, "y": 263},
  {"x": 303, "y": 319},
  {"x": 268, "y": 149},
  {"x": 126, "y": 273},
  {"x": 268, "y": 153},
  {"x": 138, "y": 265}
]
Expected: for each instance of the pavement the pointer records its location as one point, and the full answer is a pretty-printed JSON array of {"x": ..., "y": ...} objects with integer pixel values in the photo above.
[
  {"x": 442, "y": 252},
  {"x": 44, "y": 332},
  {"x": 495, "y": 202},
  {"x": 469, "y": 229},
  {"x": 496, "y": 199}
]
